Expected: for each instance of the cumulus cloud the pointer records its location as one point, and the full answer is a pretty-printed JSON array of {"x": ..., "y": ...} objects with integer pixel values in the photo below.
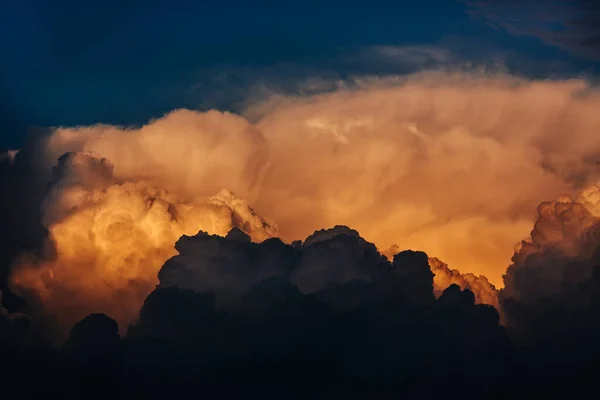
[
  {"x": 552, "y": 286},
  {"x": 564, "y": 232},
  {"x": 232, "y": 264},
  {"x": 107, "y": 239},
  {"x": 212, "y": 263},
  {"x": 484, "y": 291},
  {"x": 444, "y": 277},
  {"x": 449, "y": 163},
  {"x": 331, "y": 303},
  {"x": 189, "y": 153}
]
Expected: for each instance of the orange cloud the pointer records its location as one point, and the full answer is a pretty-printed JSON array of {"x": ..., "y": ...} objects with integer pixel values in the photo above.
[
  {"x": 451, "y": 164},
  {"x": 110, "y": 239}
]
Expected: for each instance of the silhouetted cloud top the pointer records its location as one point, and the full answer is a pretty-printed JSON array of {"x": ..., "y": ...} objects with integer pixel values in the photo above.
[
  {"x": 232, "y": 264},
  {"x": 332, "y": 311},
  {"x": 551, "y": 289}
]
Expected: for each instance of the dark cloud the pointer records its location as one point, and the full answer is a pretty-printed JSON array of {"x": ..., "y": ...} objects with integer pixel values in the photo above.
[
  {"x": 14, "y": 328},
  {"x": 327, "y": 315},
  {"x": 356, "y": 324},
  {"x": 331, "y": 317},
  {"x": 229, "y": 266},
  {"x": 551, "y": 296},
  {"x": 23, "y": 181},
  {"x": 573, "y": 25},
  {"x": 551, "y": 286}
]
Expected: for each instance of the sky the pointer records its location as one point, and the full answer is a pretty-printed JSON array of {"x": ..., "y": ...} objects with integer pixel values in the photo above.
[
  {"x": 350, "y": 194},
  {"x": 124, "y": 62}
]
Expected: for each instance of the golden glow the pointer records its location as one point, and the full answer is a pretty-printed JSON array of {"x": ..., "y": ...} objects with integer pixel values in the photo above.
[
  {"x": 111, "y": 239},
  {"x": 451, "y": 164}
]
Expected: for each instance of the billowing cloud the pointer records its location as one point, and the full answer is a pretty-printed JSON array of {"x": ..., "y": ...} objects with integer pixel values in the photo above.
[
  {"x": 450, "y": 165},
  {"x": 552, "y": 287},
  {"x": 233, "y": 264},
  {"x": 444, "y": 277},
  {"x": 484, "y": 291},
  {"x": 564, "y": 232},
  {"x": 238, "y": 311},
  {"x": 453, "y": 164},
  {"x": 107, "y": 240}
]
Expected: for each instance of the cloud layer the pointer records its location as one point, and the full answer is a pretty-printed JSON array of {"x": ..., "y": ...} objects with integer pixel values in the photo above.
[
  {"x": 453, "y": 164},
  {"x": 450, "y": 163}
]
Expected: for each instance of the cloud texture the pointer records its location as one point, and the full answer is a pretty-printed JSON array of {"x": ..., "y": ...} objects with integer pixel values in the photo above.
[
  {"x": 107, "y": 240},
  {"x": 552, "y": 287},
  {"x": 450, "y": 163},
  {"x": 107, "y": 219}
]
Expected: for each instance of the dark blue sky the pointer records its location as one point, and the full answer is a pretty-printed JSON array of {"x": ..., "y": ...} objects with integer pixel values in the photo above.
[{"x": 67, "y": 62}]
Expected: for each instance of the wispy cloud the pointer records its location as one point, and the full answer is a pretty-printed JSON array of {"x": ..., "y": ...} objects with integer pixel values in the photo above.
[
  {"x": 573, "y": 25},
  {"x": 416, "y": 55},
  {"x": 237, "y": 87}
]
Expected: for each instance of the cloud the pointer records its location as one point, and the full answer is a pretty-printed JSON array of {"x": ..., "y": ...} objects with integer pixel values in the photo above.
[
  {"x": 484, "y": 291},
  {"x": 398, "y": 140},
  {"x": 450, "y": 163},
  {"x": 331, "y": 303},
  {"x": 444, "y": 277},
  {"x": 235, "y": 87},
  {"x": 552, "y": 288},
  {"x": 105, "y": 219},
  {"x": 22, "y": 188},
  {"x": 108, "y": 239},
  {"x": 571, "y": 25},
  {"x": 453, "y": 164},
  {"x": 416, "y": 56},
  {"x": 230, "y": 265},
  {"x": 14, "y": 329}
]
